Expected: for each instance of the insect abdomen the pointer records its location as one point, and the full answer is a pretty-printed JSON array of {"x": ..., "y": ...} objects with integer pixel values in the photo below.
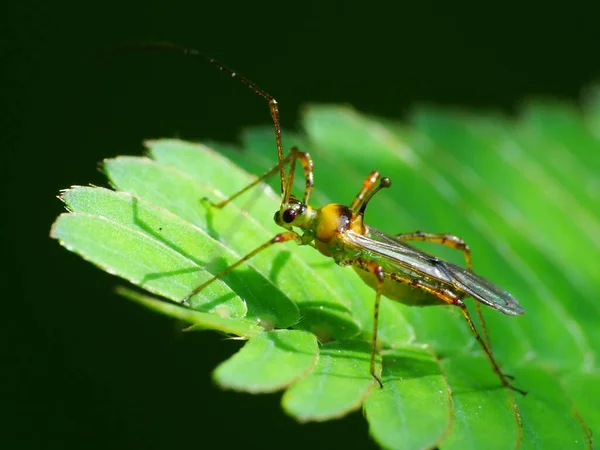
[{"x": 399, "y": 289}]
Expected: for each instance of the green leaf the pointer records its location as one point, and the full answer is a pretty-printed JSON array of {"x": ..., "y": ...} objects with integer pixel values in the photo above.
[
  {"x": 269, "y": 362},
  {"x": 524, "y": 194},
  {"x": 414, "y": 409},
  {"x": 484, "y": 415},
  {"x": 140, "y": 260},
  {"x": 267, "y": 305},
  {"x": 337, "y": 386}
]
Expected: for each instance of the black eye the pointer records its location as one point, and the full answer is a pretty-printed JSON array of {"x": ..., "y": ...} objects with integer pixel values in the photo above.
[{"x": 289, "y": 215}]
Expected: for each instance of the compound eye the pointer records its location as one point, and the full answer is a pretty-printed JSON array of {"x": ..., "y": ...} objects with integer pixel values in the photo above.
[{"x": 289, "y": 215}]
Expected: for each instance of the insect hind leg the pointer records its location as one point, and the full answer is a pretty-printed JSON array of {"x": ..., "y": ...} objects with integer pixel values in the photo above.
[
  {"x": 453, "y": 299},
  {"x": 452, "y": 241}
]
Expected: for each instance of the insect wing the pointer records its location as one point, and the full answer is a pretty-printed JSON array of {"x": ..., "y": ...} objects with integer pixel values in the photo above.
[
  {"x": 416, "y": 261},
  {"x": 483, "y": 290},
  {"x": 421, "y": 263}
]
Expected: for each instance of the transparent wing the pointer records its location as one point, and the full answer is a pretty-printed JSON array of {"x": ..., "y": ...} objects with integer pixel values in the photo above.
[
  {"x": 403, "y": 254},
  {"x": 422, "y": 263}
]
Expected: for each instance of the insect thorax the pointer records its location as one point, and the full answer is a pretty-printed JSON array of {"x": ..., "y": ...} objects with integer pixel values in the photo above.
[{"x": 330, "y": 222}]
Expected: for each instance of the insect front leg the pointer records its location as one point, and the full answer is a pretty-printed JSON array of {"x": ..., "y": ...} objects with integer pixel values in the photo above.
[
  {"x": 277, "y": 239},
  {"x": 295, "y": 154},
  {"x": 307, "y": 167},
  {"x": 259, "y": 179}
]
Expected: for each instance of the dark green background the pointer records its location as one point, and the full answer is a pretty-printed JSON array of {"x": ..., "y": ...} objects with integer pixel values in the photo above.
[{"x": 82, "y": 368}]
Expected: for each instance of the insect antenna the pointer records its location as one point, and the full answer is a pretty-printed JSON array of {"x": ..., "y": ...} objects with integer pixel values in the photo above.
[{"x": 174, "y": 48}]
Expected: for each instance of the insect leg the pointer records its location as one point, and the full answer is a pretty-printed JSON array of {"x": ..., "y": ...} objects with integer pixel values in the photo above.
[
  {"x": 277, "y": 239},
  {"x": 307, "y": 167},
  {"x": 246, "y": 188},
  {"x": 359, "y": 204},
  {"x": 377, "y": 271},
  {"x": 453, "y": 299},
  {"x": 450, "y": 240},
  {"x": 295, "y": 154},
  {"x": 367, "y": 187},
  {"x": 487, "y": 350}
]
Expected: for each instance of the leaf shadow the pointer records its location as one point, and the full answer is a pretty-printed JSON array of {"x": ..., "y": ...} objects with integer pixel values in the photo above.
[
  {"x": 266, "y": 303},
  {"x": 408, "y": 363}
]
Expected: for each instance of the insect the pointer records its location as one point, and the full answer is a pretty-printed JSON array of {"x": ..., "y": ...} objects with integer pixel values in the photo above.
[{"x": 388, "y": 264}]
